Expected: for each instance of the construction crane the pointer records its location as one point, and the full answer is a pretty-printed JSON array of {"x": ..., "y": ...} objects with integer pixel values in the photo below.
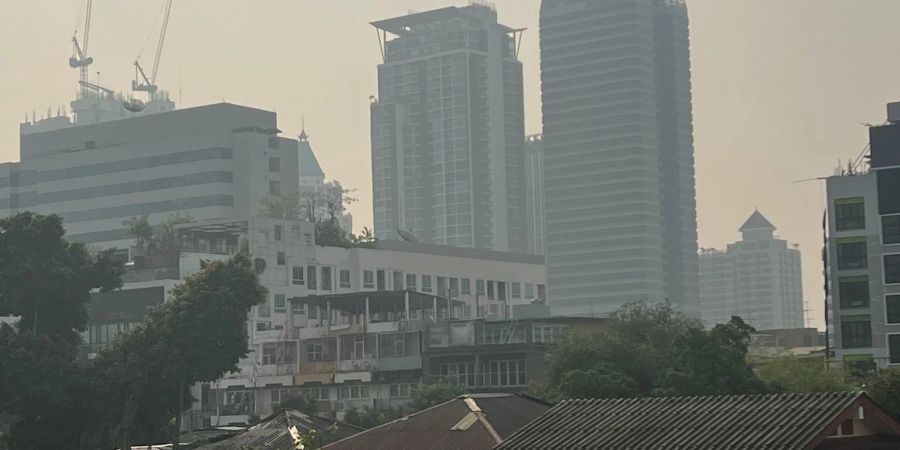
[
  {"x": 79, "y": 59},
  {"x": 141, "y": 81}
]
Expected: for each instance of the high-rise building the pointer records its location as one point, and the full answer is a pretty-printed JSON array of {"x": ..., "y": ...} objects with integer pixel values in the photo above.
[
  {"x": 448, "y": 131},
  {"x": 209, "y": 162},
  {"x": 863, "y": 254},
  {"x": 618, "y": 155},
  {"x": 534, "y": 193},
  {"x": 757, "y": 278}
]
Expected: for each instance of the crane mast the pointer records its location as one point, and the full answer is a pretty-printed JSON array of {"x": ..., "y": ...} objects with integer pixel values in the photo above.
[
  {"x": 141, "y": 81},
  {"x": 80, "y": 59}
]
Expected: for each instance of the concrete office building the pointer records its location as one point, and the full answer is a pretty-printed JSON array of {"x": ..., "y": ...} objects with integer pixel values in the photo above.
[
  {"x": 757, "y": 278},
  {"x": 534, "y": 193},
  {"x": 212, "y": 161},
  {"x": 447, "y": 131},
  {"x": 863, "y": 249},
  {"x": 618, "y": 155}
]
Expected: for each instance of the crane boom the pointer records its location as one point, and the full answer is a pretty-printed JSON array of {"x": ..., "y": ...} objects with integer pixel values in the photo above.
[
  {"x": 141, "y": 81},
  {"x": 80, "y": 58}
]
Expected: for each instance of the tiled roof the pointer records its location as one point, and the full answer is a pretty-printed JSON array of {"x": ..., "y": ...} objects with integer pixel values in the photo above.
[
  {"x": 470, "y": 422},
  {"x": 771, "y": 422},
  {"x": 273, "y": 432}
]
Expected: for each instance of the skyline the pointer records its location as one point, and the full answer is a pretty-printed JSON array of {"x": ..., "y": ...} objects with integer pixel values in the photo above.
[{"x": 767, "y": 132}]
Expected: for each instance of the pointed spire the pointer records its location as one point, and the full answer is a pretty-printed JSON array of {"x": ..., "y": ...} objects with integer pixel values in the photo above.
[
  {"x": 757, "y": 221},
  {"x": 303, "y": 136}
]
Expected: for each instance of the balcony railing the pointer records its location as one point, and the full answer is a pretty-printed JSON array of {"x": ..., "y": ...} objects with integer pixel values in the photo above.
[{"x": 357, "y": 365}]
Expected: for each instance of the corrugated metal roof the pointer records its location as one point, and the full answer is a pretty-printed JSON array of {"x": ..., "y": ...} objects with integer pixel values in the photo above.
[
  {"x": 782, "y": 421},
  {"x": 273, "y": 434},
  {"x": 439, "y": 427}
]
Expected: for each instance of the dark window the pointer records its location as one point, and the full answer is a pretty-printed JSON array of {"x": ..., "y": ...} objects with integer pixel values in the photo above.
[
  {"x": 345, "y": 279},
  {"x": 398, "y": 280},
  {"x": 274, "y": 164},
  {"x": 891, "y": 269},
  {"x": 888, "y": 191},
  {"x": 849, "y": 215},
  {"x": 280, "y": 303},
  {"x": 368, "y": 279},
  {"x": 282, "y": 260},
  {"x": 298, "y": 274},
  {"x": 856, "y": 334},
  {"x": 278, "y": 231},
  {"x": 311, "y": 277},
  {"x": 379, "y": 280},
  {"x": 851, "y": 255},
  {"x": 326, "y": 278},
  {"x": 890, "y": 229},
  {"x": 490, "y": 289},
  {"x": 894, "y": 348},
  {"x": 892, "y": 305},
  {"x": 854, "y": 292},
  {"x": 90, "y": 145}
]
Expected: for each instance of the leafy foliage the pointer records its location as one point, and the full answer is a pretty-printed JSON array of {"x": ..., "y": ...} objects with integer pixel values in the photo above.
[
  {"x": 651, "y": 350},
  {"x": 884, "y": 388},
  {"x": 370, "y": 418},
  {"x": 46, "y": 280},
  {"x": 425, "y": 395},
  {"x": 791, "y": 374},
  {"x": 300, "y": 403},
  {"x": 320, "y": 207},
  {"x": 161, "y": 240}
]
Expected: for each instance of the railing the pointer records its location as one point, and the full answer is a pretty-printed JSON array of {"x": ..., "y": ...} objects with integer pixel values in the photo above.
[
  {"x": 357, "y": 365},
  {"x": 317, "y": 367}
]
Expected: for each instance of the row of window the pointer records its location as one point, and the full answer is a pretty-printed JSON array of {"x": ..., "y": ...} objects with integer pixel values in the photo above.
[
  {"x": 850, "y": 214},
  {"x": 852, "y": 255},
  {"x": 491, "y": 373},
  {"x": 241, "y": 401}
]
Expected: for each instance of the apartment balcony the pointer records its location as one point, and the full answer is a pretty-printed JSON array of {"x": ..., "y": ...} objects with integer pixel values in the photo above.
[
  {"x": 317, "y": 367},
  {"x": 385, "y": 364},
  {"x": 277, "y": 370},
  {"x": 308, "y": 333},
  {"x": 366, "y": 364},
  {"x": 269, "y": 336}
]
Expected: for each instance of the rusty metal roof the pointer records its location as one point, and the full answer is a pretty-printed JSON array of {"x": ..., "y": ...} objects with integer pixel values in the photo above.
[
  {"x": 771, "y": 422},
  {"x": 469, "y": 422}
]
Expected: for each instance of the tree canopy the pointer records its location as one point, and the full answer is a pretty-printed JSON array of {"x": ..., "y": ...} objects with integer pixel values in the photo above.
[
  {"x": 652, "y": 350},
  {"x": 322, "y": 207}
]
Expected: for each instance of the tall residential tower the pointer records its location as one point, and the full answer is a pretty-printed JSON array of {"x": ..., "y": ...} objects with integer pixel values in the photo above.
[
  {"x": 448, "y": 131},
  {"x": 618, "y": 154}
]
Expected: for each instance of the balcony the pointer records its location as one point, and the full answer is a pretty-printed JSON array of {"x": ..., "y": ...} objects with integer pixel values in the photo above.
[
  {"x": 366, "y": 364},
  {"x": 268, "y": 336},
  {"x": 385, "y": 364},
  {"x": 317, "y": 367}
]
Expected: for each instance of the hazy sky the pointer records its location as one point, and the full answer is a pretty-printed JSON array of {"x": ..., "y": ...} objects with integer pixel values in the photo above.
[{"x": 780, "y": 86}]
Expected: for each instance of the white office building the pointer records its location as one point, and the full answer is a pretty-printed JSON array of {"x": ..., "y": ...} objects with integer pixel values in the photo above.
[
  {"x": 757, "y": 278},
  {"x": 209, "y": 162}
]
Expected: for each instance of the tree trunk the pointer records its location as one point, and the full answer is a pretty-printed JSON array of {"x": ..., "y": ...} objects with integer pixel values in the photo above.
[
  {"x": 34, "y": 320},
  {"x": 178, "y": 411}
]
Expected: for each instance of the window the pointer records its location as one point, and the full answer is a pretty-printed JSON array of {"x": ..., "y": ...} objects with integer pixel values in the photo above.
[
  {"x": 345, "y": 279},
  {"x": 849, "y": 214},
  {"x": 401, "y": 389},
  {"x": 529, "y": 291},
  {"x": 854, "y": 292},
  {"x": 458, "y": 373},
  {"x": 398, "y": 280},
  {"x": 466, "y": 286},
  {"x": 490, "y": 290},
  {"x": 307, "y": 238},
  {"x": 426, "y": 283},
  {"x": 547, "y": 333},
  {"x": 542, "y": 291},
  {"x": 479, "y": 287},
  {"x": 890, "y": 229},
  {"x": 894, "y": 348},
  {"x": 368, "y": 279},
  {"x": 391, "y": 345},
  {"x": 298, "y": 275},
  {"x": 280, "y": 304},
  {"x": 503, "y": 373},
  {"x": 355, "y": 391},
  {"x": 311, "y": 277},
  {"x": 326, "y": 279},
  {"x": 313, "y": 312},
  {"x": 891, "y": 269},
  {"x": 315, "y": 351},
  {"x": 274, "y": 164},
  {"x": 263, "y": 309},
  {"x": 316, "y": 393},
  {"x": 517, "y": 290},
  {"x": 379, "y": 280},
  {"x": 442, "y": 286},
  {"x": 501, "y": 290},
  {"x": 892, "y": 307},
  {"x": 851, "y": 253},
  {"x": 856, "y": 331},
  {"x": 454, "y": 287},
  {"x": 411, "y": 281},
  {"x": 238, "y": 402},
  {"x": 278, "y": 230},
  {"x": 282, "y": 260},
  {"x": 269, "y": 354},
  {"x": 274, "y": 187}
]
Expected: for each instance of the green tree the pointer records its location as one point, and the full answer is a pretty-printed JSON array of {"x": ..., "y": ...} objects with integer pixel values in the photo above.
[
  {"x": 793, "y": 374},
  {"x": 426, "y": 395},
  {"x": 884, "y": 388},
  {"x": 140, "y": 229},
  {"x": 322, "y": 207},
  {"x": 650, "y": 350},
  {"x": 46, "y": 280},
  {"x": 370, "y": 418},
  {"x": 300, "y": 403}
]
